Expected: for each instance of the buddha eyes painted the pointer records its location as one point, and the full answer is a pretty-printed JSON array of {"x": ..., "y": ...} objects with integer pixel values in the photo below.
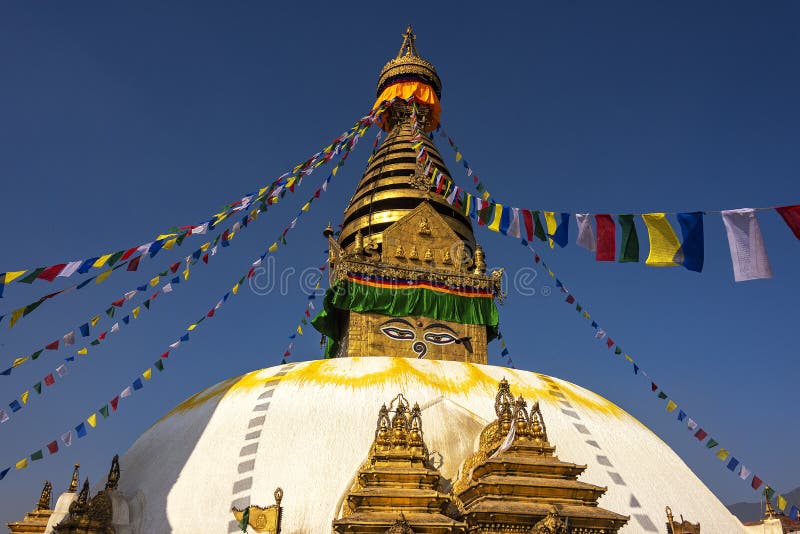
[
  {"x": 439, "y": 338},
  {"x": 398, "y": 333}
]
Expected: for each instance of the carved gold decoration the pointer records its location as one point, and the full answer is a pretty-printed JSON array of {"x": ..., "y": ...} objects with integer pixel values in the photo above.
[
  {"x": 113, "y": 474},
  {"x": 480, "y": 260},
  {"x": 399, "y": 252},
  {"x": 446, "y": 259},
  {"x": 428, "y": 256},
  {"x": 409, "y": 62},
  {"x": 35, "y": 522},
  {"x": 515, "y": 465},
  {"x": 424, "y": 226},
  {"x": 45, "y": 499},
  {"x": 413, "y": 255},
  {"x": 398, "y": 481},
  {"x": 73, "y": 484},
  {"x": 263, "y": 519},
  {"x": 684, "y": 527}
]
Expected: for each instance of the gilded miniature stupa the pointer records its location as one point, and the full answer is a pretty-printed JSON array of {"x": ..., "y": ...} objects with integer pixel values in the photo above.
[{"x": 463, "y": 447}]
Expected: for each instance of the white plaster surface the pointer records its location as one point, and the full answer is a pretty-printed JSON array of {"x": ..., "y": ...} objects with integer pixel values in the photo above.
[{"x": 319, "y": 421}]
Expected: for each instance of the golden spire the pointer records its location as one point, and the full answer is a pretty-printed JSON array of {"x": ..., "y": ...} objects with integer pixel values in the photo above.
[
  {"x": 409, "y": 64},
  {"x": 73, "y": 485},
  {"x": 45, "y": 498},
  {"x": 769, "y": 511},
  {"x": 408, "y": 44},
  {"x": 113, "y": 474}
]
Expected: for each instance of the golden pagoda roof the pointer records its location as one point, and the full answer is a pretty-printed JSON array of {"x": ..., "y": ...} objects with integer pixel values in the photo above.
[{"x": 409, "y": 64}]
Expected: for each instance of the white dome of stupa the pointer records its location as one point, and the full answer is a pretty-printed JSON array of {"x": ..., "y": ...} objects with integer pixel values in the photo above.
[{"x": 308, "y": 427}]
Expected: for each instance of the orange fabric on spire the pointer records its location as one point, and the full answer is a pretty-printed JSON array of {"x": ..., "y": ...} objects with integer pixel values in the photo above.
[{"x": 422, "y": 92}]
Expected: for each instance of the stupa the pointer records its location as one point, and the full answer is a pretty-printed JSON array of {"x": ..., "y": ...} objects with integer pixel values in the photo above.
[{"x": 404, "y": 428}]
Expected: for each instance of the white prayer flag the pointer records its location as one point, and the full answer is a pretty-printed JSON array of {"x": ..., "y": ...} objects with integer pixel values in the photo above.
[
  {"x": 585, "y": 233},
  {"x": 236, "y": 226},
  {"x": 513, "y": 227},
  {"x": 744, "y": 472},
  {"x": 130, "y": 294},
  {"x": 600, "y": 334},
  {"x": 115, "y": 328},
  {"x": 66, "y": 437},
  {"x": 125, "y": 393},
  {"x": 311, "y": 305},
  {"x": 218, "y": 305},
  {"x": 69, "y": 338},
  {"x": 70, "y": 269},
  {"x": 167, "y": 288},
  {"x": 691, "y": 424},
  {"x": 62, "y": 370},
  {"x": 452, "y": 196},
  {"x": 144, "y": 248},
  {"x": 202, "y": 229},
  {"x": 512, "y": 433},
  {"x": 214, "y": 251},
  {"x": 748, "y": 253},
  {"x": 175, "y": 345},
  {"x": 3, "y": 416}
]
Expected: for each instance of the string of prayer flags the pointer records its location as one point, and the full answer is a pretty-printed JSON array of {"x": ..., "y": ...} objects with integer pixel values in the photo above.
[{"x": 748, "y": 252}]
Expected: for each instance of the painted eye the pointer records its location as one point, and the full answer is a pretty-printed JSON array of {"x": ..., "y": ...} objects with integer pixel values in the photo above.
[
  {"x": 398, "y": 333},
  {"x": 440, "y": 338}
]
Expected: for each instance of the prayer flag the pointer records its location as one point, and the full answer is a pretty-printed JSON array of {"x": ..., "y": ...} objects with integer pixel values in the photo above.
[
  {"x": 585, "y": 232},
  {"x": 84, "y": 328},
  {"x": 723, "y": 454},
  {"x": 494, "y": 226},
  {"x": 38, "y": 455},
  {"x": 782, "y": 502},
  {"x": 52, "y": 447},
  {"x": 701, "y": 435},
  {"x": 69, "y": 269},
  {"x": 791, "y": 215},
  {"x": 101, "y": 261},
  {"x": 513, "y": 226},
  {"x": 711, "y": 443},
  {"x": 159, "y": 364},
  {"x": 114, "y": 403},
  {"x": 24, "y": 397},
  {"x": 80, "y": 430},
  {"x": 66, "y": 438},
  {"x": 125, "y": 393},
  {"x": 3, "y": 416},
  {"x": 102, "y": 276},
  {"x": 693, "y": 244},
  {"x": 69, "y": 339},
  {"x": 671, "y": 405},
  {"x": 22, "y": 464},
  {"x": 300, "y": 330},
  {"x": 4, "y": 472},
  {"x": 794, "y": 513},
  {"x": 92, "y": 420},
  {"x": 732, "y": 463},
  {"x": 606, "y": 238},
  {"x": 62, "y": 370},
  {"x": 50, "y": 273},
  {"x": 748, "y": 253},
  {"x": 147, "y": 375},
  {"x": 662, "y": 395},
  {"x": 49, "y": 380},
  {"x": 52, "y": 346},
  {"x": 95, "y": 320},
  {"x": 83, "y": 351},
  {"x": 38, "y": 387},
  {"x": 557, "y": 228},
  {"x": 12, "y": 275},
  {"x": 104, "y": 411},
  {"x": 629, "y": 245},
  {"x": 756, "y": 482},
  {"x": 137, "y": 384},
  {"x": 665, "y": 250},
  {"x": 744, "y": 472}
]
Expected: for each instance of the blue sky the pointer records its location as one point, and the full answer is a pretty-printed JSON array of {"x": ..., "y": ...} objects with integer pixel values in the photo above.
[{"x": 122, "y": 120}]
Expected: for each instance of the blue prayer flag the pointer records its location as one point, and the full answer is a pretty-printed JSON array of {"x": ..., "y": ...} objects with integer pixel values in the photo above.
[
  {"x": 86, "y": 265},
  {"x": 635, "y": 369},
  {"x": 126, "y": 319},
  {"x": 5, "y": 471},
  {"x": 733, "y": 463},
  {"x": 681, "y": 415},
  {"x": 185, "y": 337},
  {"x": 15, "y": 406},
  {"x": 505, "y": 220},
  {"x": 141, "y": 288},
  {"x": 594, "y": 324},
  {"x": 176, "y": 280},
  {"x": 7, "y": 372},
  {"x": 155, "y": 247},
  {"x": 137, "y": 384},
  {"x": 85, "y": 283},
  {"x": 80, "y": 430},
  {"x": 692, "y": 246},
  {"x": 504, "y": 352},
  {"x": 84, "y": 329},
  {"x": 196, "y": 254},
  {"x": 794, "y": 513}
]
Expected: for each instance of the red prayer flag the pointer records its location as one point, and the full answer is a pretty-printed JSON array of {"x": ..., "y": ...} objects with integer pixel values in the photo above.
[
  {"x": 134, "y": 263},
  {"x": 174, "y": 267},
  {"x": 50, "y": 273},
  {"x": 317, "y": 192},
  {"x": 287, "y": 353},
  {"x": 128, "y": 253},
  {"x": 251, "y": 272},
  {"x": 210, "y": 313},
  {"x": 52, "y": 346},
  {"x": 536, "y": 258},
  {"x": 165, "y": 355},
  {"x": 606, "y": 237},
  {"x": 756, "y": 482},
  {"x": 49, "y": 380},
  {"x": 790, "y": 214},
  {"x": 103, "y": 335},
  {"x": 653, "y": 386},
  {"x": 205, "y": 257},
  {"x": 308, "y": 313},
  {"x": 527, "y": 216},
  {"x": 52, "y": 447},
  {"x": 114, "y": 402},
  {"x": 701, "y": 435},
  {"x": 609, "y": 342},
  {"x": 570, "y": 299},
  {"x": 118, "y": 303}
]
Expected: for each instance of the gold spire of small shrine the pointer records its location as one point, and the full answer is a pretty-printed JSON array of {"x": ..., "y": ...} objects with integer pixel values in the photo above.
[
  {"x": 45, "y": 499},
  {"x": 73, "y": 485},
  {"x": 769, "y": 510}
]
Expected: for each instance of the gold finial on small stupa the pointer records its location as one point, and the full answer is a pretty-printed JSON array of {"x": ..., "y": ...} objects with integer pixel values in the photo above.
[
  {"x": 480, "y": 260},
  {"x": 73, "y": 485},
  {"x": 408, "y": 48},
  {"x": 328, "y": 231},
  {"x": 769, "y": 511},
  {"x": 46, "y": 497}
]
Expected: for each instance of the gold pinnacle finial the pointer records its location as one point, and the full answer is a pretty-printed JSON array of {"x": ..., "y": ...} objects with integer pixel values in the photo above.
[
  {"x": 45, "y": 498},
  {"x": 769, "y": 511},
  {"x": 408, "y": 48},
  {"x": 73, "y": 485}
]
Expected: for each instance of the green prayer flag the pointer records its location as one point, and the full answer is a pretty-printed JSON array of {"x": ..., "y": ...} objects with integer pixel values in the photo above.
[
  {"x": 578, "y": 307},
  {"x": 36, "y": 354},
  {"x": 38, "y": 387},
  {"x": 147, "y": 304},
  {"x": 30, "y": 307},
  {"x": 485, "y": 215},
  {"x": 711, "y": 443},
  {"x": 629, "y": 245},
  {"x": 95, "y": 342},
  {"x": 115, "y": 258},
  {"x": 181, "y": 237},
  {"x": 769, "y": 492},
  {"x": 37, "y": 455},
  {"x": 617, "y": 350},
  {"x": 538, "y": 229},
  {"x": 104, "y": 411},
  {"x": 159, "y": 365},
  {"x": 32, "y": 276},
  {"x": 162, "y": 273},
  {"x": 304, "y": 321},
  {"x": 110, "y": 311},
  {"x": 662, "y": 395},
  {"x": 245, "y": 519}
]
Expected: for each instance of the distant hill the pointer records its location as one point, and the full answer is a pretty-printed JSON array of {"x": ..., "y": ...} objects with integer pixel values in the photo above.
[{"x": 751, "y": 511}]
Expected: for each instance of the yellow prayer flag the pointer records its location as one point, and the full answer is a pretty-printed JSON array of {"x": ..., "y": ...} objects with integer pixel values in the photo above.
[
  {"x": 102, "y": 276},
  {"x": 99, "y": 262},
  {"x": 629, "y": 358},
  {"x": 335, "y": 170},
  {"x": 15, "y": 316},
  {"x": 671, "y": 405},
  {"x": 262, "y": 190},
  {"x": 722, "y": 454},
  {"x": 92, "y": 420},
  {"x": 22, "y": 464},
  {"x": 458, "y": 156},
  {"x": 273, "y": 247},
  {"x": 205, "y": 246},
  {"x": 665, "y": 249},
  {"x": 290, "y": 182},
  {"x": 12, "y": 275},
  {"x": 186, "y": 274},
  {"x": 782, "y": 502},
  {"x": 24, "y": 397},
  {"x": 154, "y": 281},
  {"x": 300, "y": 329},
  {"x": 19, "y": 361},
  {"x": 164, "y": 236},
  {"x": 83, "y": 351},
  {"x": 467, "y": 204},
  {"x": 551, "y": 273},
  {"x": 586, "y": 314},
  {"x": 306, "y": 206},
  {"x": 171, "y": 243},
  {"x": 147, "y": 375},
  {"x": 135, "y": 312},
  {"x": 95, "y": 320},
  {"x": 486, "y": 195},
  {"x": 192, "y": 327},
  {"x": 235, "y": 289},
  {"x": 494, "y": 226},
  {"x": 552, "y": 224}
]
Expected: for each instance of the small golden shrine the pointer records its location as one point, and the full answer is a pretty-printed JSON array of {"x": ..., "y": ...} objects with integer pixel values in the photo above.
[
  {"x": 95, "y": 515},
  {"x": 397, "y": 490},
  {"x": 36, "y": 521},
  {"x": 515, "y": 482}
]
